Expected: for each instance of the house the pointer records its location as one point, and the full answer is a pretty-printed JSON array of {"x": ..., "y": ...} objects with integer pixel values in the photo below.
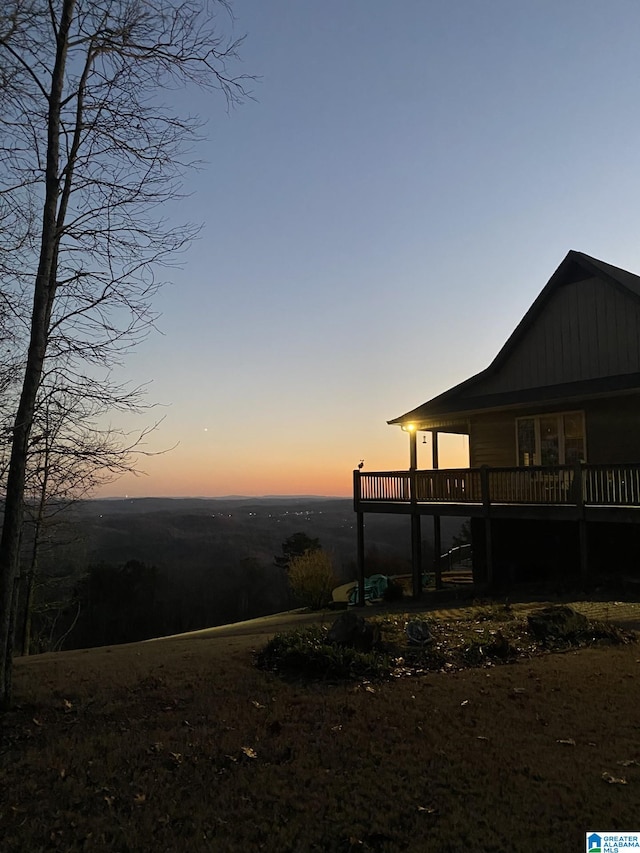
[{"x": 554, "y": 439}]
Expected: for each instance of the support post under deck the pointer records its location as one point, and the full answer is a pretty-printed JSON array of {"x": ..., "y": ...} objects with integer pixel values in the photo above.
[
  {"x": 583, "y": 542},
  {"x": 357, "y": 494},
  {"x": 437, "y": 551},
  {"x": 416, "y": 556},
  {"x": 360, "y": 534},
  {"x": 486, "y": 504}
]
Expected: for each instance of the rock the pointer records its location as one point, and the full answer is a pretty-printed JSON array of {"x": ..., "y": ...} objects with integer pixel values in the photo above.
[
  {"x": 418, "y": 632},
  {"x": 352, "y": 630},
  {"x": 559, "y": 622}
]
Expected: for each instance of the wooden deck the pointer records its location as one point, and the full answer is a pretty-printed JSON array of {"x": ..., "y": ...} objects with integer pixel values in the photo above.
[{"x": 584, "y": 491}]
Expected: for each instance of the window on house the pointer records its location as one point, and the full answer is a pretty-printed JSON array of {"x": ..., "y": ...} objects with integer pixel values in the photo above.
[
  {"x": 526, "y": 441},
  {"x": 554, "y": 439}
]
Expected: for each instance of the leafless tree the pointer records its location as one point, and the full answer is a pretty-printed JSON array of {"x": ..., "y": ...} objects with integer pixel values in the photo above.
[
  {"x": 70, "y": 455},
  {"x": 90, "y": 152}
]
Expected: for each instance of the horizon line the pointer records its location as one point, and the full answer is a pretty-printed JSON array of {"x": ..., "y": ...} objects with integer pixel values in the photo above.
[{"x": 217, "y": 497}]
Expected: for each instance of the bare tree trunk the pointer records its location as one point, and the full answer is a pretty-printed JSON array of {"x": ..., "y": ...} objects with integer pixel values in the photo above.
[
  {"x": 29, "y": 589},
  {"x": 78, "y": 107},
  {"x": 25, "y": 640},
  {"x": 44, "y": 293}
]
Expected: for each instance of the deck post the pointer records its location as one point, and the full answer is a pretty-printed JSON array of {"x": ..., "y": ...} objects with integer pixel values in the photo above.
[
  {"x": 413, "y": 450},
  {"x": 416, "y": 556},
  {"x": 486, "y": 511},
  {"x": 434, "y": 449},
  {"x": 437, "y": 550},
  {"x": 437, "y": 530},
  {"x": 416, "y": 540},
  {"x": 359, "y": 535},
  {"x": 360, "y": 557},
  {"x": 583, "y": 541}
]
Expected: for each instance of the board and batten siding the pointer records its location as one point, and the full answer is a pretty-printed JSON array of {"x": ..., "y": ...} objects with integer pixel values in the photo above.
[
  {"x": 492, "y": 440},
  {"x": 613, "y": 430},
  {"x": 587, "y": 329}
]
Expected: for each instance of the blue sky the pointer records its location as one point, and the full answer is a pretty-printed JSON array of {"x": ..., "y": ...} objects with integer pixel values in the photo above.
[{"x": 376, "y": 222}]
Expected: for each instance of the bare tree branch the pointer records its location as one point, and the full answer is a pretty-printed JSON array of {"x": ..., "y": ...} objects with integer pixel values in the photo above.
[{"x": 91, "y": 150}]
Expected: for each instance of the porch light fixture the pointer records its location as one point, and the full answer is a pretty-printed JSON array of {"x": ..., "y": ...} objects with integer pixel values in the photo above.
[{"x": 409, "y": 427}]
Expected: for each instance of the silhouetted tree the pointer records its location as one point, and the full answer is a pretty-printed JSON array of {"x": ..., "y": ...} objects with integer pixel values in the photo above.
[
  {"x": 89, "y": 154},
  {"x": 463, "y": 537},
  {"x": 296, "y": 545}
]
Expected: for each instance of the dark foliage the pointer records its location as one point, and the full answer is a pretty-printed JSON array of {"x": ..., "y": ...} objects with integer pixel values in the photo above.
[
  {"x": 296, "y": 545},
  {"x": 309, "y": 654}
]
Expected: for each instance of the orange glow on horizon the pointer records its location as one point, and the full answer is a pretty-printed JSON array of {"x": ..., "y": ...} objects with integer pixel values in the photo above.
[{"x": 184, "y": 473}]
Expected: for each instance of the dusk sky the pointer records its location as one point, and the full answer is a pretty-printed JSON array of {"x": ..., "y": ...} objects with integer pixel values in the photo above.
[{"x": 376, "y": 223}]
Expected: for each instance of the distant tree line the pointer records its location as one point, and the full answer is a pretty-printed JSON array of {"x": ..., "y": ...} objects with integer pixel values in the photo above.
[
  {"x": 124, "y": 603},
  {"x": 79, "y": 601},
  {"x": 111, "y": 603}
]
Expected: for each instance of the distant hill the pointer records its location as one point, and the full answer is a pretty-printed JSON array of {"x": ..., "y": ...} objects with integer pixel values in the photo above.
[
  {"x": 174, "y": 530},
  {"x": 140, "y": 567}
]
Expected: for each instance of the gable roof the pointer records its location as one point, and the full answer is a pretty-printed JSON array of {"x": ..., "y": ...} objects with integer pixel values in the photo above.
[{"x": 480, "y": 392}]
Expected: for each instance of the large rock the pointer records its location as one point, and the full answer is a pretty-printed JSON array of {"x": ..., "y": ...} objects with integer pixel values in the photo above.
[
  {"x": 352, "y": 630},
  {"x": 418, "y": 632},
  {"x": 558, "y": 622}
]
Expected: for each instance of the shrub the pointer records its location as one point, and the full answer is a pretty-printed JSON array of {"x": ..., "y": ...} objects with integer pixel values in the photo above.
[
  {"x": 308, "y": 653},
  {"x": 312, "y": 578}
]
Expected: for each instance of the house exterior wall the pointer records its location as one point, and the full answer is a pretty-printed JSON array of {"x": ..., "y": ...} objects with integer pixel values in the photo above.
[
  {"x": 612, "y": 428},
  {"x": 492, "y": 440},
  {"x": 587, "y": 329}
]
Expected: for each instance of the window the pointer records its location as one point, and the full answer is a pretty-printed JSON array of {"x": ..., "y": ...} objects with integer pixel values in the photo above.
[{"x": 555, "y": 439}]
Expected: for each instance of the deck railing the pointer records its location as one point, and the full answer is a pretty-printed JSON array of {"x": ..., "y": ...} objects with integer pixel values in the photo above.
[{"x": 571, "y": 485}]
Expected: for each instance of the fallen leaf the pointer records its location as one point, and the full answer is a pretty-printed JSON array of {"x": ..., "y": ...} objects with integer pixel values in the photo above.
[
  {"x": 628, "y": 762},
  {"x": 567, "y": 741},
  {"x": 466, "y": 702},
  {"x": 36, "y": 721},
  {"x": 109, "y": 800},
  {"x": 428, "y": 809},
  {"x": 257, "y": 704},
  {"x": 139, "y": 799},
  {"x": 67, "y": 705},
  {"x": 613, "y": 780},
  {"x": 177, "y": 757},
  {"x": 249, "y": 752},
  {"x": 369, "y": 688},
  {"x": 519, "y": 690}
]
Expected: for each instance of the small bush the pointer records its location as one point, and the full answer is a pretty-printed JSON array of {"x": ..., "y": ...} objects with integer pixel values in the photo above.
[
  {"x": 308, "y": 653},
  {"x": 312, "y": 578}
]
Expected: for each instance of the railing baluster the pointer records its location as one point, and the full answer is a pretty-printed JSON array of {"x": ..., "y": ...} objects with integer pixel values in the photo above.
[{"x": 612, "y": 485}]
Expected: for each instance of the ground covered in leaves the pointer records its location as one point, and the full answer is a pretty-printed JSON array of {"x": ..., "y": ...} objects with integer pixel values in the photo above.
[
  {"x": 409, "y": 644},
  {"x": 185, "y": 745}
]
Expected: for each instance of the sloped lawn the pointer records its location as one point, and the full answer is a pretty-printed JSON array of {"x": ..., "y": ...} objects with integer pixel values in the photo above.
[{"x": 185, "y": 745}]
